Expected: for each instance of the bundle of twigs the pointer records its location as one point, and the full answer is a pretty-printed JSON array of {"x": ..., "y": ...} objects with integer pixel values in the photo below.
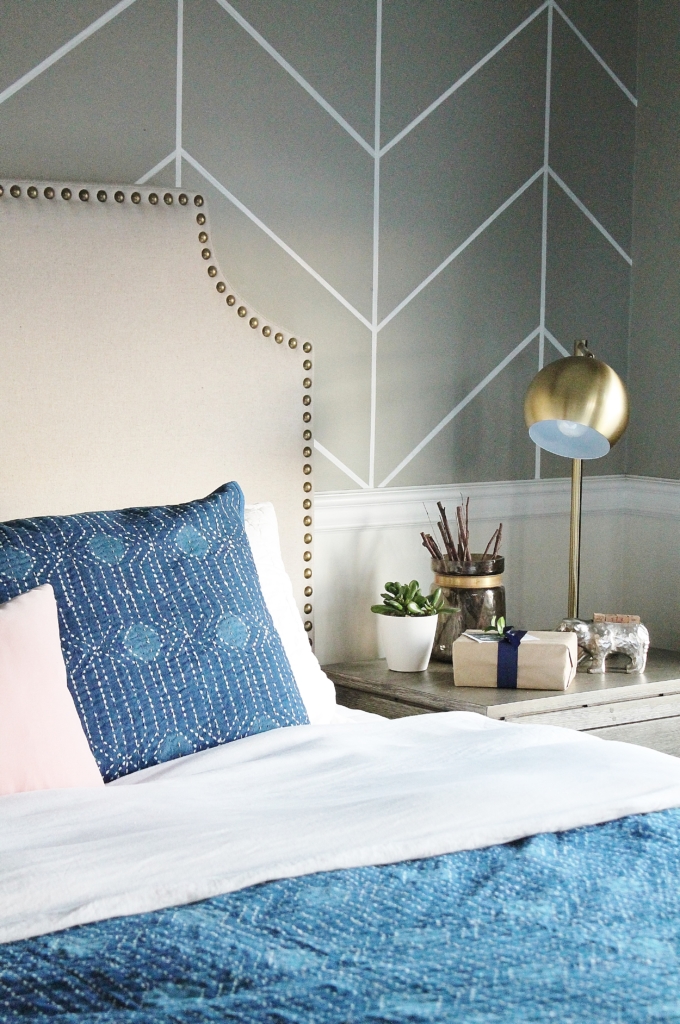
[{"x": 458, "y": 550}]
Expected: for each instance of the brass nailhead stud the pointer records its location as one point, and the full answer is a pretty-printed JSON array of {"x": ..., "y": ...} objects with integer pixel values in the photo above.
[
  {"x": 15, "y": 191},
  {"x": 102, "y": 196},
  {"x": 119, "y": 196},
  {"x": 306, "y": 453},
  {"x": 307, "y": 382},
  {"x": 182, "y": 199},
  {"x": 292, "y": 343},
  {"x": 308, "y": 626},
  {"x": 198, "y": 200},
  {"x": 307, "y": 503},
  {"x": 307, "y": 435},
  {"x": 168, "y": 198},
  {"x": 266, "y": 331},
  {"x": 308, "y": 591},
  {"x": 153, "y": 198},
  {"x": 221, "y": 287},
  {"x": 212, "y": 271},
  {"x": 307, "y": 365},
  {"x": 202, "y": 236},
  {"x": 278, "y": 338},
  {"x": 306, "y": 469},
  {"x": 308, "y": 573},
  {"x": 254, "y": 322},
  {"x": 48, "y": 193},
  {"x": 242, "y": 311},
  {"x": 306, "y": 486},
  {"x": 135, "y": 197},
  {"x": 83, "y": 195},
  {"x": 231, "y": 300},
  {"x": 307, "y": 521},
  {"x": 306, "y": 416},
  {"x": 308, "y": 609},
  {"x": 206, "y": 254},
  {"x": 308, "y": 538},
  {"x": 32, "y": 192},
  {"x": 66, "y": 193},
  {"x": 307, "y": 400},
  {"x": 307, "y": 347},
  {"x": 200, "y": 219},
  {"x": 307, "y": 556}
]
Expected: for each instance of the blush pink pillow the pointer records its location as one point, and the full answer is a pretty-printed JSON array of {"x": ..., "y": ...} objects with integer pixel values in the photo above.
[{"x": 42, "y": 743}]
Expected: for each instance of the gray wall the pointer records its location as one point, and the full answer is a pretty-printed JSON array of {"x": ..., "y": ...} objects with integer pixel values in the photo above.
[
  {"x": 276, "y": 107},
  {"x": 654, "y": 433}
]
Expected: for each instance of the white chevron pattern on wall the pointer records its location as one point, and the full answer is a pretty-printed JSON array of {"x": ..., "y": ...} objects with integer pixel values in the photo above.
[{"x": 180, "y": 156}]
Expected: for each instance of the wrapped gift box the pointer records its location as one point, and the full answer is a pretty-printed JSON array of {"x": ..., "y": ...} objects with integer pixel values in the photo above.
[{"x": 545, "y": 661}]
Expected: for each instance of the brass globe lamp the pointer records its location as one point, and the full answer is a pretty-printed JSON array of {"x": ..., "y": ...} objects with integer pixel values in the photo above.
[{"x": 576, "y": 407}]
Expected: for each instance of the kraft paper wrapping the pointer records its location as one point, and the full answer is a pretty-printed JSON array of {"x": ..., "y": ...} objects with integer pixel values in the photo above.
[{"x": 546, "y": 663}]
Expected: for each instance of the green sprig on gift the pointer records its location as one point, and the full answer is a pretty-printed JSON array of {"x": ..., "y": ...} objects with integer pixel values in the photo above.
[
  {"x": 402, "y": 599},
  {"x": 497, "y": 626}
]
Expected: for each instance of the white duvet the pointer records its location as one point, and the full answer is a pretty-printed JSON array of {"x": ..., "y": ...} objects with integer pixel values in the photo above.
[{"x": 305, "y": 799}]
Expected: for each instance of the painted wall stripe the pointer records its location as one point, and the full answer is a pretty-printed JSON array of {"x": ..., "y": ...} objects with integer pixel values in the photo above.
[
  {"x": 156, "y": 168},
  {"x": 179, "y": 93},
  {"x": 546, "y": 168},
  {"x": 544, "y": 213},
  {"x": 558, "y": 345},
  {"x": 340, "y": 465},
  {"x": 456, "y": 252},
  {"x": 66, "y": 48},
  {"x": 247, "y": 27},
  {"x": 461, "y": 405},
  {"x": 275, "y": 238},
  {"x": 595, "y": 54},
  {"x": 463, "y": 79},
  {"x": 376, "y": 241},
  {"x": 584, "y": 209}
]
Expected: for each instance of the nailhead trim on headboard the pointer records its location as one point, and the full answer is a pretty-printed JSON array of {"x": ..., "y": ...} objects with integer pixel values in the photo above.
[{"x": 120, "y": 195}]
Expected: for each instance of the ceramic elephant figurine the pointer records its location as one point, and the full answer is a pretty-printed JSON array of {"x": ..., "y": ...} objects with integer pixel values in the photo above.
[{"x": 598, "y": 639}]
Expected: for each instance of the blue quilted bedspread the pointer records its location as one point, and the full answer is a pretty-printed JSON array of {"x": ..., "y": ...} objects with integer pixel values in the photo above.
[{"x": 582, "y": 926}]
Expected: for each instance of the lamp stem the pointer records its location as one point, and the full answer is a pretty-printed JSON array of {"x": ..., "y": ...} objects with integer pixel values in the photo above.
[{"x": 575, "y": 537}]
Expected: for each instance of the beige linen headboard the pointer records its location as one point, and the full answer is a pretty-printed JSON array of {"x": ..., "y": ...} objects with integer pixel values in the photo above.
[{"x": 132, "y": 374}]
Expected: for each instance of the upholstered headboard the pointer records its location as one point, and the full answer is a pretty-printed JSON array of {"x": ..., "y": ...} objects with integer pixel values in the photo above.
[{"x": 132, "y": 374}]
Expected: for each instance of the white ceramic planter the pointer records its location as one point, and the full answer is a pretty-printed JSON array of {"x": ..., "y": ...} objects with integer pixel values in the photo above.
[{"x": 407, "y": 641}]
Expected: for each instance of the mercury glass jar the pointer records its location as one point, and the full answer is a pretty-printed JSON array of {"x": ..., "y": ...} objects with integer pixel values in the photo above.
[{"x": 476, "y": 593}]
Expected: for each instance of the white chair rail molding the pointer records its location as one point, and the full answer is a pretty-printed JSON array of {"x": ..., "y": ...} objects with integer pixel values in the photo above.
[{"x": 629, "y": 546}]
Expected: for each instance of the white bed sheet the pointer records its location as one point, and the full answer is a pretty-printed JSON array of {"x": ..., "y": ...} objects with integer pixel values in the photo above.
[{"x": 305, "y": 799}]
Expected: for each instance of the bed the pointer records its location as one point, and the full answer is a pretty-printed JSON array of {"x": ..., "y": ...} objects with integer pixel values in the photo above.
[{"x": 258, "y": 853}]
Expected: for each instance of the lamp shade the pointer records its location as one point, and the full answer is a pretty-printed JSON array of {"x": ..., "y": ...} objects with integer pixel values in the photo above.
[{"x": 576, "y": 407}]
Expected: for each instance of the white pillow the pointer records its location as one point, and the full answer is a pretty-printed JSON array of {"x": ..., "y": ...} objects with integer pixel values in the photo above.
[{"x": 316, "y": 689}]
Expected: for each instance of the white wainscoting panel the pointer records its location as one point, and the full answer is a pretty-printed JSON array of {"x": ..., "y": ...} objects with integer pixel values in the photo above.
[{"x": 629, "y": 560}]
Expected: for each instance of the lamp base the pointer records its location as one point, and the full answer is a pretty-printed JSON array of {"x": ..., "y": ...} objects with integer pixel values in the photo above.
[{"x": 575, "y": 538}]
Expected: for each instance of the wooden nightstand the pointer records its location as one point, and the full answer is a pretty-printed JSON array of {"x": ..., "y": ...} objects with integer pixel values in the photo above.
[{"x": 642, "y": 709}]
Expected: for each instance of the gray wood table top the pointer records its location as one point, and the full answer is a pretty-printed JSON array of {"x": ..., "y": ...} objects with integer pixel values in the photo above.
[{"x": 434, "y": 689}]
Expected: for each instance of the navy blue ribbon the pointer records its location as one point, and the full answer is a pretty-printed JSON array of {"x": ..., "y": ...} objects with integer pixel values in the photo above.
[{"x": 506, "y": 670}]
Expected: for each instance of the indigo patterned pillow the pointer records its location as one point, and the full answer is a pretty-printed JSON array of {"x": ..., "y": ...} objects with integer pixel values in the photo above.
[{"x": 169, "y": 646}]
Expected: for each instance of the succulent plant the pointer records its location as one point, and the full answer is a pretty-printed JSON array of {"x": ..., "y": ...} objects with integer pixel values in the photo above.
[{"x": 402, "y": 599}]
